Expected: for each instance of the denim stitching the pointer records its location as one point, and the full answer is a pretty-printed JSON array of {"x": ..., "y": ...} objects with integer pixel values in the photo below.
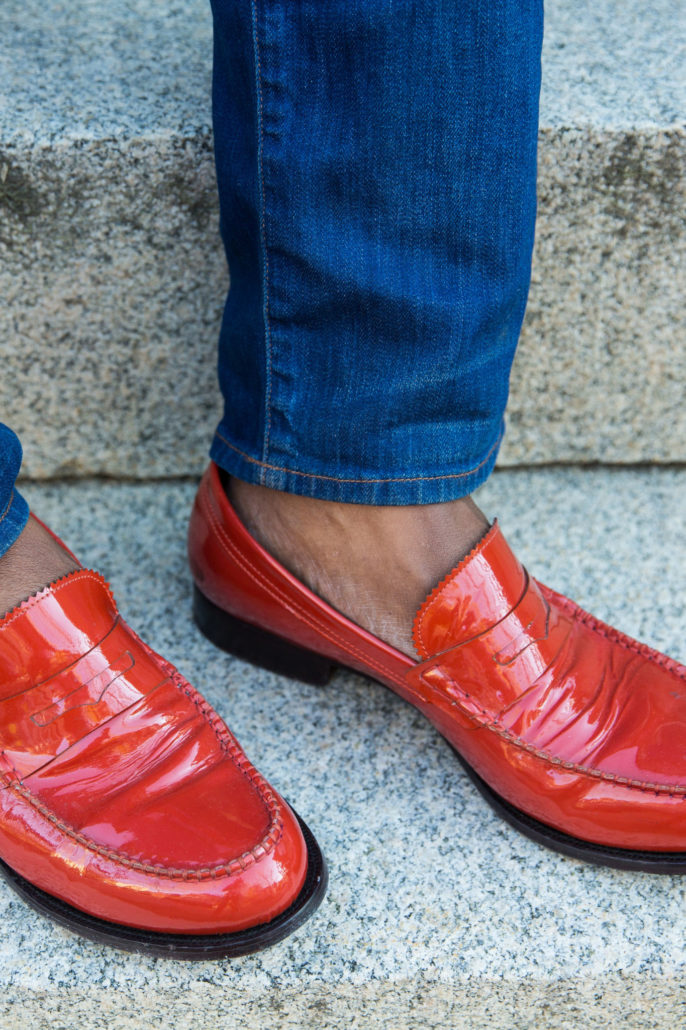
[
  {"x": 340, "y": 479},
  {"x": 263, "y": 233},
  {"x": 7, "y": 508}
]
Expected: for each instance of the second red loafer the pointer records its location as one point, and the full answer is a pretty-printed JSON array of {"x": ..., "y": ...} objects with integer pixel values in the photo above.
[
  {"x": 571, "y": 730},
  {"x": 128, "y": 811}
]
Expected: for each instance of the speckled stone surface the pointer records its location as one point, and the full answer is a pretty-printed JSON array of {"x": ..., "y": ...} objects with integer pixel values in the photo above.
[
  {"x": 438, "y": 915},
  {"x": 112, "y": 275}
]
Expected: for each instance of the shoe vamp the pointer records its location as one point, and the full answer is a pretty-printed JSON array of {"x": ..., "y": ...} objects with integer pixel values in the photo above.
[
  {"x": 607, "y": 706},
  {"x": 156, "y": 783}
]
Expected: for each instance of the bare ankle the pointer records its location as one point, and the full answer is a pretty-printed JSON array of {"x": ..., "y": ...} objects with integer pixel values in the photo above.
[
  {"x": 374, "y": 564},
  {"x": 34, "y": 561}
]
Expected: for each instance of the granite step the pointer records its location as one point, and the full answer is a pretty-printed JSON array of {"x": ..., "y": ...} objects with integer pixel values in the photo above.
[
  {"x": 438, "y": 914},
  {"x": 112, "y": 277}
]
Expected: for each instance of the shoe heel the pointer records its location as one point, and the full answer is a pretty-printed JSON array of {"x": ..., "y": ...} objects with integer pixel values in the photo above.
[{"x": 259, "y": 646}]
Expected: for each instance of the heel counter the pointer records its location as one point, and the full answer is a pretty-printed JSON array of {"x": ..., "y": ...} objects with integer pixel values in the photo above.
[
  {"x": 221, "y": 563},
  {"x": 234, "y": 572}
]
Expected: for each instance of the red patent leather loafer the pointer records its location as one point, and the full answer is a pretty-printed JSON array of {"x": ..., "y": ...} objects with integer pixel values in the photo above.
[
  {"x": 128, "y": 811},
  {"x": 572, "y": 731}
]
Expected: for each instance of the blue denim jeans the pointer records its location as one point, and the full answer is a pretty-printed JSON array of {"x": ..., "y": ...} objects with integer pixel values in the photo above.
[
  {"x": 376, "y": 164},
  {"x": 14, "y": 510}
]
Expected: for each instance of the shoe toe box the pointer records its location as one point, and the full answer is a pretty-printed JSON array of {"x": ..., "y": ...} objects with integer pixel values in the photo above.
[{"x": 159, "y": 821}]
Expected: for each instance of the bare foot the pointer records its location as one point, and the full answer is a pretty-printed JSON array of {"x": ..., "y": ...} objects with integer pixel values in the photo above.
[
  {"x": 32, "y": 562},
  {"x": 374, "y": 564}
]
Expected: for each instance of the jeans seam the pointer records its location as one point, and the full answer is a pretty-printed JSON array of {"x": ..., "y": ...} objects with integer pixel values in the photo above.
[
  {"x": 342, "y": 479},
  {"x": 263, "y": 234},
  {"x": 7, "y": 507}
]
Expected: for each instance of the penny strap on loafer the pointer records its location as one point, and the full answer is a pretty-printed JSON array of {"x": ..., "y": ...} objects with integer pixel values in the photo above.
[
  {"x": 484, "y": 588},
  {"x": 547, "y": 676},
  {"x": 489, "y": 672},
  {"x": 78, "y": 677}
]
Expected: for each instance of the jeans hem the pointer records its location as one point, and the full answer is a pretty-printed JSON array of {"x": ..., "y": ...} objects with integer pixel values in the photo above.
[{"x": 415, "y": 489}]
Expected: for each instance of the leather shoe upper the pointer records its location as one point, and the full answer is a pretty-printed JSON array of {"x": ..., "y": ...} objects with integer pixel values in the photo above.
[
  {"x": 567, "y": 718},
  {"x": 564, "y": 717},
  {"x": 124, "y": 793}
]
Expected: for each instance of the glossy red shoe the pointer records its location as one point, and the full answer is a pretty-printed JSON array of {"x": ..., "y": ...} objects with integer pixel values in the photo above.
[
  {"x": 129, "y": 812},
  {"x": 575, "y": 733}
]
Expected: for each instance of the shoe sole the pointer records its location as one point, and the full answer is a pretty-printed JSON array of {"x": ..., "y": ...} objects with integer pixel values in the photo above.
[
  {"x": 259, "y": 646},
  {"x": 189, "y": 947}
]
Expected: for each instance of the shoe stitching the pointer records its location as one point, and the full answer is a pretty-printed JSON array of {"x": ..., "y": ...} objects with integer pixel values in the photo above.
[
  {"x": 342, "y": 479},
  {"x": 229, "y": 746},
  {"x": 232, "y": 749},
  {"x": 263, "y": 228},
  {"x": 253, "y": 572},
  {"x": 610, "y": 633},
  {"x": 221, "y": 871},
  {"x": 418, "y": 630},
  {"x": 673, "y": 790},
  {"x": 54, "y": 588}
]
